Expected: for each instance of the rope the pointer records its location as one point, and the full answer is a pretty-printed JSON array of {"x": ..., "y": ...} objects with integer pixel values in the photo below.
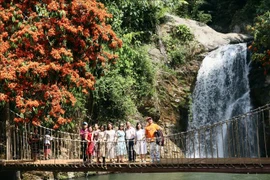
[
  {"x": 237, "y": 143},
  {"x": 252, "y": 112}
]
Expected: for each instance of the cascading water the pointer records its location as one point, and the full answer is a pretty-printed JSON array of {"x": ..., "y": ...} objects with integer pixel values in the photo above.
[{"x": 221, "y": 92}]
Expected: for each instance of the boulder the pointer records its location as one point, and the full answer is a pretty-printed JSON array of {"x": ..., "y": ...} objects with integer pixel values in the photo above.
[{"x": 205, "y": 35}]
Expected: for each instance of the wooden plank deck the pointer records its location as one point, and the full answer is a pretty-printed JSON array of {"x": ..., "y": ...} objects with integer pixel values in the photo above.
[{"x": 224, "y": 165}]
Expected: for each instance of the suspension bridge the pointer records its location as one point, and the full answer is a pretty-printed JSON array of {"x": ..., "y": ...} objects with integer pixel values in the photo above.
[{"x": 237, "y": 145}]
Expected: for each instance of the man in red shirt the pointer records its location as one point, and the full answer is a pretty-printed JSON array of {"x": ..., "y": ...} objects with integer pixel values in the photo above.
[{"x": 150, "y": 130}]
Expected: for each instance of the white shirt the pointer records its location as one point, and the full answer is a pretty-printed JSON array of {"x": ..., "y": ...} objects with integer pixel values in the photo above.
[
  {"x": 47, "y": 139},
  {"x": 130, "y": 133}
]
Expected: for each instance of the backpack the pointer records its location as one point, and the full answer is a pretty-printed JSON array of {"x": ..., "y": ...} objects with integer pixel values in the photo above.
[{"x": 159, "y": 137}]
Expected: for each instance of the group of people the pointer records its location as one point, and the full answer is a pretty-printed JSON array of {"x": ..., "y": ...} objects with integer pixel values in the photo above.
[
  {"x": 34, "y": 142},
  {"x": 106, "y": 143}
]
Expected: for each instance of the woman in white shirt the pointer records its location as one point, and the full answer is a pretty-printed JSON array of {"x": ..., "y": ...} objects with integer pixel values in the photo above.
[
  {"x": 110, "y": 139},
  {"x": 140, "y": 143}
]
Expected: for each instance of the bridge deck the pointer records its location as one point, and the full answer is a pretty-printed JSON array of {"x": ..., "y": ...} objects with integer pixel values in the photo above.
[{"x": 229, "y": 165}]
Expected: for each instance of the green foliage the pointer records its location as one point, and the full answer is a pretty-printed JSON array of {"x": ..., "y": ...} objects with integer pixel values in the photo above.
[
  {"x": 227, "y": 13},
  {"x": 204, "y": 17},
  {"x": 118, "y": 15},
  {"x": 178, "y": 45},
  {"x": 192, "y": 9},
  {"x": 263, "y": 7},
  {"x": 120, "y": 91},
  {"x": 113, "y": 97},
  {"x": 134, "y": 16},
  {"x": 261, "y": 43},
  {"x": 182, "y": 33}
]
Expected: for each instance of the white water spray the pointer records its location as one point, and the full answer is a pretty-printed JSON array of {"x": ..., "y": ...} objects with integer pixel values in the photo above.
[{"x": 221, "y": 92}]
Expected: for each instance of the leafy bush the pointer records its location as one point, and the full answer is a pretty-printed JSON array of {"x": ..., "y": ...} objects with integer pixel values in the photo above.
[
  {"x": 178, "y": 44},
  {"x": 121, "y": 90},
  {"x": 175, "y": 50},
  {"x": 263, "y": 7},
  {"x": 204, "y": 17},
  {"x": 134, "y": 16},
  {"x": 193, "y": 9},
  {"x": 261, "y": 43},
  {"x": 183, "y": 33}
]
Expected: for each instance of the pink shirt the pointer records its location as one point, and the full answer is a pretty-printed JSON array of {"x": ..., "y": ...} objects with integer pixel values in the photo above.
[{"x": 84, "y": 133}]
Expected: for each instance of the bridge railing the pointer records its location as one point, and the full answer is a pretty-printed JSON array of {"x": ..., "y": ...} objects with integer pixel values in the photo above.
[
  {"x": 245, "y": 136},
  {"x": 27, "y": 141},
  {"x": 68, "y": 146},
  {"x": 2, "y": 141}
]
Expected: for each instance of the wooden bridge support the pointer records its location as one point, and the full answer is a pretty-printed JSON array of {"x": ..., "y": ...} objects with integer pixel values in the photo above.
[
  {"x": 10, "y": 175},
  {"x": 55, "y": 175},
  {"x": 137, "y": 168},
  {"x": 7, "y": 125}
]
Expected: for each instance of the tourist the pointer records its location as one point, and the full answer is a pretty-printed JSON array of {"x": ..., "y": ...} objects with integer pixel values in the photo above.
[
  {"x": 140, "y": 143},
  {"x": 102, "y": 144},
  {"x": 110, "y": 146},
  {"x": 84, "y": 134},
  {"x": 121, "y": 150},
  {"x": 90, "y": 144},
  {"x": 47, "y": 144},
  {"x": 130, "y": 137},
  {"x": 150, "y": 130},
  {"x": 96, "y": 143},
  {"x": 34, "y": 144}
]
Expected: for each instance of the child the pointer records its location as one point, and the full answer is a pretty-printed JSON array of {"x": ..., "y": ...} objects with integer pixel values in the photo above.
[{"x": 47, "y": 144}]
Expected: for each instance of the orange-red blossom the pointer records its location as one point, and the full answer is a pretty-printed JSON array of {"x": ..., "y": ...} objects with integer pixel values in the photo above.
[{"x": 47, "y": 51}]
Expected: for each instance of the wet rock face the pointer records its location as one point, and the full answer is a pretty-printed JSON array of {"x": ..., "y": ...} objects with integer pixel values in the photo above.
[
  {"x": 170, "y": 107},
  {"x": 259, "y": 86}
]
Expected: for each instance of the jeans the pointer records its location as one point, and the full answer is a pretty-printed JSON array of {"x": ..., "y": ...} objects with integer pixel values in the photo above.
[
  {"x": 154, "y": 152},
  {"x": 130, "y": 148}
]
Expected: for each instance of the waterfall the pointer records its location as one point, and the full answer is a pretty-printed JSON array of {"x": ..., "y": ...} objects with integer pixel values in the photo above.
[{"x": 221, "y": 92}]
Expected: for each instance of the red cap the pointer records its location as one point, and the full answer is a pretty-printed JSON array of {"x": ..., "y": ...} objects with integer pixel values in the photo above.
[{"x": 148, "y": 118}]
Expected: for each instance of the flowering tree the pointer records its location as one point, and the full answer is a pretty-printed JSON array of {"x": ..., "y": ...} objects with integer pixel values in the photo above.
[
  {"x": 49, "y": 51},
  {"x": 260, "y": 47}
]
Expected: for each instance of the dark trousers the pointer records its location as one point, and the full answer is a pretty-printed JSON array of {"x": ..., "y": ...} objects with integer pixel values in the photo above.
[
  {"x": 130, "y": 148},
  {"x": 84, "y": 147}
]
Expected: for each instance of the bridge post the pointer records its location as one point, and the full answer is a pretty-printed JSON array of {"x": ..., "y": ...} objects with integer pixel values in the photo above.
[
  {"x": 55, "y": 175},
  {"x": 8, "y": 134}
]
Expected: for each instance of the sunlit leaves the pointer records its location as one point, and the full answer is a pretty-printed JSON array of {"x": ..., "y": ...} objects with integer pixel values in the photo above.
[
  {"x": 261, "y": 44},
  {"x": 48, "y": 51}
]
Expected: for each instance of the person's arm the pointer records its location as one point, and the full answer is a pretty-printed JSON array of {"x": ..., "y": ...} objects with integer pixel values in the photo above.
[
  {"x": 143, "y": 135},
  {"x": 116, "y": 136},
  {"x": 135, "y": 138},
  {"x": 106, "y": 136},
  {"x": 92, "y": 136},
  {"x": 81, "y": 132},
  {"x": 133, "y": 132},
  {"x": 158, "y": 127},
  {"x": 35, "y": 138}
]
